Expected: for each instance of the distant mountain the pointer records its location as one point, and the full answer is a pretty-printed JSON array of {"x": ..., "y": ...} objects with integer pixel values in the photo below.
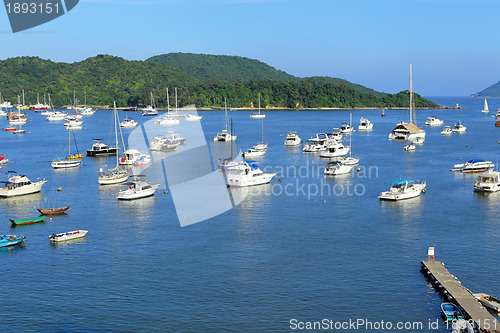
[
  {"x": 222, "y": 68},
  {"x": 342, "y": 82},
  {"x": 491, "y": 91}
]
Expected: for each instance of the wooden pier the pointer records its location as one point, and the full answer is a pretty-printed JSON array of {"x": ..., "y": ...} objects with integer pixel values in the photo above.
[{"x": 449, "y": 285}]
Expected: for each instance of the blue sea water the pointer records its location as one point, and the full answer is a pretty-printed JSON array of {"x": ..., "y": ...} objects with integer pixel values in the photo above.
[{"x": 325, "y": 249}]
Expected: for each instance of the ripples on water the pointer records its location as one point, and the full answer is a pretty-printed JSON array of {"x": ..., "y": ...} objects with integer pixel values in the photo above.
[{"x": 273, "y": 257}]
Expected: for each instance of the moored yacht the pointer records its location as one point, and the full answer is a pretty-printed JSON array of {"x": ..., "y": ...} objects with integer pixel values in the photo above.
[
  {"x": 193, "y": 117},
  {"x": 402, "y": 189},
  {"x": 138, "y": 189},
  {"x": 488, "y": 182},
  {"x": 56, "y": 115},
  {"x": 161, "y": 143},
  {"x": 167, "y": 121},
  {"x": 292, "y": 139},
  {"x": 247, "y": 174},
  {"x": 337, "y": 168},
  {"x": 319, "y": 143},
  {"x": 128, "y": 123},
  {"x": 346, "y": 128},
  {"x": 446, "y": 130},
  {"x": 365, "y": 125},
  {"x": 252, "y": 152},
  {"x": 433, "y": 121},
  {"x": 20, "y": 185},
  {"x": 134, "y": 157},
  {"x": 99, "y": 148},
  {"x": 335, "y": 149},
  {"x": 224, "y": 135},
  {"x": 473, "y": 166},
  {"x": 459, "y": 128}
]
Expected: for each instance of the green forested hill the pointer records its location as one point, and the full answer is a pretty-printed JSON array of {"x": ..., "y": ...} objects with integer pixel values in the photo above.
[
  {"x": 106, "y": 79},
  {"x": 222, "y": 68},
  {"x": 491, "y": 91}
]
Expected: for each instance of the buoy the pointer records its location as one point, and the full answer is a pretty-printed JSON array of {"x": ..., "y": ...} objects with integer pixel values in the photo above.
[
  {"x": 51, "y": 219},
  {"x": 358, "y": 169},
  {"x": 166, "y": 192},
  {"x": 431, "y": 258},
  {"x": 183, "y": 216},
  {"x": 324, "y": 202},
  {"x": 279, "y": 180},
  {"x": 59, "y": 189},
  {"x": 73, "y": 210},
  {"x": 466, "y": 145},
  {"x": 424, "y": 190}
]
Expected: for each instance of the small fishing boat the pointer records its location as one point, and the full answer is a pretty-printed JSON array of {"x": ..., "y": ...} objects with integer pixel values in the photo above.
[
  {"x": 33, "y": 220},
  {"x": 434, "y": 121},
  {"x": 451, "y": 311},
  {"x": 19, "y": 131},
  {"x": 337, "y": 168},
  {"x": 402, "y": 189},
  {"x": 473, "y": 166},
  {"x": 488, "y": 182},
  {"x": 365, "y": 125},
  {"x": 459, "y": 128},
  {"x": 8, "y": 129},
  {"x": 138, "y": 189},
  {"x": 3, "y": 160},
  {"x": 52, "y": 211},
  {"x": 66, "y": 236},
  {"x": 446, "y": 130},
  {"x": 489, "y": 302},
  {"x": 410, "y": 147},
  {"x": 11, "y": 240},
  {"x": 292, "y": 139},
  {"x": 462, "y": 326}
]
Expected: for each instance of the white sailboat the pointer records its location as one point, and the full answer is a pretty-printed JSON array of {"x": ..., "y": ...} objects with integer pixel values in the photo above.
[
  {"x": 68, "y": 161},
  {"x": 175, "y": 113},
  {"x": 258, "y": 115},
  {"x": 225, "y": 135},
  {"x": 408, "y": 131},
  {"x": 150, "y": 110},
  {"x": 115, "y": 175},
  {"x": 485, "y": 107}
]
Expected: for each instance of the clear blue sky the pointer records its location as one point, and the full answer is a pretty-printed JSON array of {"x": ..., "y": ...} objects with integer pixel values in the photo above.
[{"x": 452, "y": 44}]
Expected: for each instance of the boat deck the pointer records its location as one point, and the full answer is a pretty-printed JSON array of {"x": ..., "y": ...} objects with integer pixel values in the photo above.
[{"x": 436, "y": 272}]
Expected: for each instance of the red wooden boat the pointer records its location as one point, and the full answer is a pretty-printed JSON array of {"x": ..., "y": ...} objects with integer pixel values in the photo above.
[
  {"x": 52, "y": 211},
  {"x": 10, "y": 129}
]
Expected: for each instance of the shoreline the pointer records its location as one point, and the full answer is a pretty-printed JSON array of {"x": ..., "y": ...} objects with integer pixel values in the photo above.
[{"x": 442, "y": 107}]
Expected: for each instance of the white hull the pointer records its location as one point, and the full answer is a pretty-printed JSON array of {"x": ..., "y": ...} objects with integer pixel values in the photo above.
[
  {"x": 128, "y": 125},
  {"x": 66, "y": 236},
  {"x": 340, "y": 170},
  {"x": 17, "y": 122},
  {"x": 65, "y": 164},
  {"x": 413, "y": 192},
  {"x": 365, "y": 128},
  {"x": 242, "y": 181},
  {"x": 131, "y": 194},
  {"x": 114, "y": 178},
  {"x": 258, "y": 116},
  {"x": 337, "y": 153},
  {"x": 168, "y": 121},
  {"x": 408, "y": 137},
  {"x": 27, "y": 189},
  {"x": 226, "y": 138},
  {"x": 191, "y": 117},
  {"x": 256, "y": 153}
]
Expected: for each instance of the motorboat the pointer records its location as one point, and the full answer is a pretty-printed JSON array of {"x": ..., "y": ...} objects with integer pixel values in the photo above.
[
  {"x": 319, "y": 143},
  {"x": 433, "y": 121},
  {"x": 489, "y": 302},
  {"x": 337, "y": 168},
  {"x": 167, "y": 121},
  {"x": 11, "y": 240},
  {"x": 348, "y": 160},
  {"x": 258, "y": 115},
  {"x": 19, "y": 131},
  {"x": 74, "y": 116},
  {"x": 128, "y": 123},
  {"x": 462, "y": 326},
  {"x": 224, "y": 135},
  {"x": 336, "y": 134},
  {"x": 419, "y": 141},
  {"x": 365, "y": 125},
  {"x": 253, "y": 153},
  {"x": 346, "y": 128},
  {"x": 38, "y": 219},
  {"x": 3, "y": 160},
  {"x": 161, "y": 143},
  {"x": 497, "y": 119},
  {"x": 3, "y": 113},
  {"x": 459, "y": 128},
  {"x": 18, "y": 119},
  {"x": 149, "y": 111},
  {"x": 47, "y": 113},
  {"x": 335, "y": 149},
  {"x": 446, "y": 130},
  {"x": 473, "y": 166},
  {"x": 451, "y": 312},
  {"x": 292, "y": 139},
  {"x": 138, "y": 189},
  {"x": 226, "y": 163},
  {"x": 10, "y": 129},
  {"x": 410, "y": 147},
  {"x": 66, "y": 236},
  {"x": 56, "y": 116},
  {"x": 175, "y": 137},
  {"x": 72, "y": 122},
  {"x": 87, "y": 111},
  {"x": 99, "y": 148},
  {"x": 247, "y": 174},
  {"x": 192, "y": 117},
  {"x": 20, "y": 185},
  {"x": 261, "y": 146},
  {"x": 403, "y": 189},
  {"x": 134, "y": 157},
  {"x": 488, "y": 182}
]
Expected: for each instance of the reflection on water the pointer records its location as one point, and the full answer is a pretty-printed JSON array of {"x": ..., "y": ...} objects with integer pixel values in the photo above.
[
  {"x": 67, "y": 244},
  {"x": 23, "y": 206}
]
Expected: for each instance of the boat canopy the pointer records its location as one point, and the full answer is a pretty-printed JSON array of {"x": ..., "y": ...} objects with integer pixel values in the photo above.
[
  {"x": 476, "y": 161},
  {"x": 411, "y": 128},
  {"x": 400, "y": 181}
]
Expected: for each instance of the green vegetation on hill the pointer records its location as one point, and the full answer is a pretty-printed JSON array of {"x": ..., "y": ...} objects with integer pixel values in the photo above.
[
  {"x": 491, "y": 91},
  {"x": 227, "y": 69},
  {"x": 106, "y": 79}
]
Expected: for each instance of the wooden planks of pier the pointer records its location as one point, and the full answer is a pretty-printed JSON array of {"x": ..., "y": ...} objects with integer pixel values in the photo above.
[{"x": 439, "y": 275}]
